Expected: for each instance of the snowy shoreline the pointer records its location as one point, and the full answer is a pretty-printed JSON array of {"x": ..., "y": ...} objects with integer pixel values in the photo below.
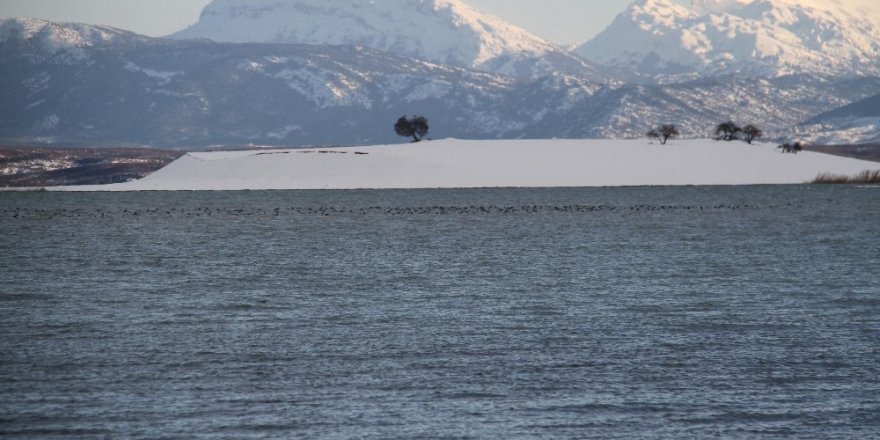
[{"x": 453, "y": 163}]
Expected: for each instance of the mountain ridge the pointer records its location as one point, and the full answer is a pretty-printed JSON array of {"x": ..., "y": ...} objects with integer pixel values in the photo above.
[
  {"x": 442, "y": 31},
  {"x": 140, "y": 91},
  {"x": 662, "y": 40},
  {"x": 123, "y": 88}
]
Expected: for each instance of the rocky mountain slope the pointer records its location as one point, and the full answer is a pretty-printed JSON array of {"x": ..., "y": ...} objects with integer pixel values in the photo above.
[
  {"x": 74, "y": 83},
  {"x": 443, "y": 31},
  {"x": 660, "y": 39},
  {"x": 163, "y": 92}
]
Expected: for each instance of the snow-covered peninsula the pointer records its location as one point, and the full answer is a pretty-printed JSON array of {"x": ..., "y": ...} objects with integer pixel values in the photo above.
[{"x": 455, "y": 163}]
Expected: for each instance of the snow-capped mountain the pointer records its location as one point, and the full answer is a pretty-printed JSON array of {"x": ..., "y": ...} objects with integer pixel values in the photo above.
[
  {"x": 139, "y": 90},
  {"x": 660, "y": 39},
  {"x": 442, "y": 31},
  {"x": 71, "y": 83},
  {"x": 54, "y": 38}
]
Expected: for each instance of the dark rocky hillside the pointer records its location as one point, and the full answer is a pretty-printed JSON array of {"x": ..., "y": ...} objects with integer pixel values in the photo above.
[
  {"x": 36, "y": 167},
  {"x": 859, "y": 151},
  {"x": 865, "y": 108}
]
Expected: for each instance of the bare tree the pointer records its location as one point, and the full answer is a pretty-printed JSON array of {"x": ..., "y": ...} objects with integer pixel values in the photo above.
[
  {"x": 668, "y": 131},
  {"x": 663, "y": 133},
  {"x": 751, "y": 132},
  {"x": 415, "y": 127},
  {"x": 727, "y": 131}
]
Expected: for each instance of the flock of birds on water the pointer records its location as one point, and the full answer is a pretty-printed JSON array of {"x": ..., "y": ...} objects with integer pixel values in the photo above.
[{"x": 327, "y": 211}]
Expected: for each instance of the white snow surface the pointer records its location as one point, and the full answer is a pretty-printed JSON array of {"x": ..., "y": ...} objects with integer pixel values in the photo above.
[
  {"x": 455, "y": 163},
  {"x": 756, "y": 37},
  {"x": 444, "y": 31}
]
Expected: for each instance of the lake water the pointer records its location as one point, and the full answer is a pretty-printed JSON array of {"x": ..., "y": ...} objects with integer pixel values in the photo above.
[{"x": 665, "y": 313}]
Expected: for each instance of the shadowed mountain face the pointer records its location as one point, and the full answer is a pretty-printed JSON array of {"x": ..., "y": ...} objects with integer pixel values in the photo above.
[
  {"x": 84, "y": 84},
  {"x": 865, "y": 108},
  {"x": 858, "y": 122}
]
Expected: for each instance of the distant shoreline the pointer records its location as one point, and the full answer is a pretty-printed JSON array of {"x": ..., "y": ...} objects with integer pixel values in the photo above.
[
  {"x": 456, "y": 163},
  {"x": 43, "y": 166}
]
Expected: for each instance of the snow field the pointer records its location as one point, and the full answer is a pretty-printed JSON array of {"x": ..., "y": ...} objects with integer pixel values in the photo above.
[{"x": 455, "y": 163}]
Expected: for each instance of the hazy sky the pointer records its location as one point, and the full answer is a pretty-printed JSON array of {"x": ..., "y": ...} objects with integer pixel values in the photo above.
[{"x": 560, "y": 21}]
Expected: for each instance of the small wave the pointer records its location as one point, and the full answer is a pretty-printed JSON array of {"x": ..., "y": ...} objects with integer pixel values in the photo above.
[
  {"x": 743, "y": 416},
  {"x": 25, "y": 297},
  {"x": 40, "y": 432},
  {"x": 590, "y": 408},
  {"x": 856, "y": 302},
  {"x": 473, "y": 395},
  {"x": 247, "y": 307},
  {"x": 261, "y": 428}
]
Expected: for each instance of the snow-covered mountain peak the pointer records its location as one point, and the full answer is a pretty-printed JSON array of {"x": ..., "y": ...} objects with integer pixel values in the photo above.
[
  {"x": 443, "y": 31},
  {"x": 661, "y": 39},
  {"x": 664, "y": 12},
  {"x": 664, "y": 7},
  {"x": 57, "y": 36},
  {"x": 705, "y": 7}
]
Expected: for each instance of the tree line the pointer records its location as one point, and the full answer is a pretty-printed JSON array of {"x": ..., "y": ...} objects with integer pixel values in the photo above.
[
  {"x": 729, "y": 131},
  {"x": 725, "y": 131},
  {"x": 417, "y": 128}
]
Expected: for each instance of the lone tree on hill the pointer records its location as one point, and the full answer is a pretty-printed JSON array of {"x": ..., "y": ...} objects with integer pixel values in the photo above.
[
  {"x": 751, "y": 133},
  {"x": 663, "y": 133},
  {"x": 415, "y": 127},
  {"x": 668, "y": 131},
  {"x": 727, "y": 131}
]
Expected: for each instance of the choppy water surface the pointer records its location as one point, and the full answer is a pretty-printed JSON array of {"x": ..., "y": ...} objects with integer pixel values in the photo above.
[{"x": 671, "y": 313}]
